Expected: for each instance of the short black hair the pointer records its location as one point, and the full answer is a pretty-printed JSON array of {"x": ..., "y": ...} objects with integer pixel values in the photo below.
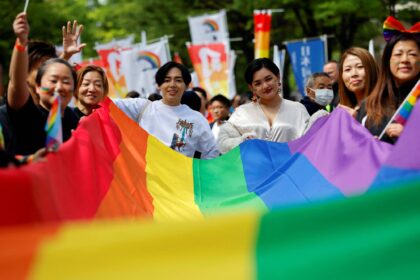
[
  {"x": 132, "y": 94},
  {"x": 201, "y": 90},
  {"x": 222, "y": 99},
  {"x": 257, "y": 65},
  {"x": 192, "y": 100},
  {"x": 44, "y": 66},
  {"x": 163, "y": 71},
  {"x": 38, "y": 50},
  {"x": 154, "y": 97}
]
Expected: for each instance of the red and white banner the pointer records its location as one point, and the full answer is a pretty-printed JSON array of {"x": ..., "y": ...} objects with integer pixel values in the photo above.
[{"x": 211, "y": 64}]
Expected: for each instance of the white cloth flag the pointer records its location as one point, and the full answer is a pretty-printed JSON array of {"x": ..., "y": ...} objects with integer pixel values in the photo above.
[
  {"x": 209, "y": 28},
  {"x": 140, "y": 64}
]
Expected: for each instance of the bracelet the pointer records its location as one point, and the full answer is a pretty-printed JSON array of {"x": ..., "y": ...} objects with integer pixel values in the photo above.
[{"x": 19, "y": 47}]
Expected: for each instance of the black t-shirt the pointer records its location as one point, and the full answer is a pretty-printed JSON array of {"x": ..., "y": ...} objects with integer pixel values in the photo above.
[
  {"x": 79, "y": 114},
  {"x": 28, "y": 127}
]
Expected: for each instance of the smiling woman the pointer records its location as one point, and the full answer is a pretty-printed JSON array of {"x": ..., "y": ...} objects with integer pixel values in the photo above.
[
  {"x": 91, "y": 88},
  {"x": 269, "y": 117},
  {"x": 173, "y": 123},
  {"x": 399, "y": 73}
]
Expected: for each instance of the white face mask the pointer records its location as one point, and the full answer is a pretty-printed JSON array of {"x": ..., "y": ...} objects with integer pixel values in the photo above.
[{"x": 323, "y": 96}]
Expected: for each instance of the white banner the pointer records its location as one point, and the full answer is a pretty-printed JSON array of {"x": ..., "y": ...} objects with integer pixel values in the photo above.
[
  {"x": 116, "y": 44},
  {"x": 209, "y": 28},
  {"x": 140, "y": 64}
]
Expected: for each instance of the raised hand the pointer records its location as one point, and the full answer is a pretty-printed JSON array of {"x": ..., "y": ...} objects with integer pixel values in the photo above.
[
  {"x": 21, "y": 28},
  {"x": 71, "y": 34}
]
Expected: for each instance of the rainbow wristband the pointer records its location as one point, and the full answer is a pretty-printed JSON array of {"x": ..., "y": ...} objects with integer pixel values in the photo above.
[{"x": 19, "y": 47}]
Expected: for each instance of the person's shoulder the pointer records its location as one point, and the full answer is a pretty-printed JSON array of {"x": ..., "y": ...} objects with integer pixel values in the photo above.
[{"x": 293, "y": 104}]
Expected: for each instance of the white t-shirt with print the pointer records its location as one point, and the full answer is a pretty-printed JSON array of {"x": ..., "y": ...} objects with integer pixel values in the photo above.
[{"x": 178, "y": 127}]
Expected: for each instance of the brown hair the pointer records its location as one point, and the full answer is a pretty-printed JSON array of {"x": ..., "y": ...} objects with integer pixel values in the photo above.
[
  {"x": 86, "y": 69},
  {"x": 381, "y": 103},
  {"x": 347, "y": 97}
]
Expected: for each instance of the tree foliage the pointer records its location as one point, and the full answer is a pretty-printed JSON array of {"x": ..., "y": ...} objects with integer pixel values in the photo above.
[{"x": 348, "y": 22}]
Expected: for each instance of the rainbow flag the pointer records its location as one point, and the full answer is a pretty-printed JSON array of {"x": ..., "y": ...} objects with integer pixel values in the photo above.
[
  {"x": 374, "y": 236},
  {"x": 53, "y": 127},
  {"x": 111, "y": 168},
  {"x": 407, "y": 106},
  {"x": 262, "y": 27}
]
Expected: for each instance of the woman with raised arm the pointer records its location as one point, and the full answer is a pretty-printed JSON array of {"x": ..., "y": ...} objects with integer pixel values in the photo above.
[
  {"x": 27, "y": 119},
  {"x": 269, "y": 116}
]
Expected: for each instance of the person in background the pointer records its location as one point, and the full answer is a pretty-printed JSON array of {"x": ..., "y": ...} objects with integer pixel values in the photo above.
[
  {"x": 400, "y": 72},
  {"x": 331, "y": 68},
  {"x": 269, "y": 117},
  {"x": 219, "y": 105},
  {"x": 203, "y": 97},
  {"x": 133, "y": 94},
  {"x": 192, "y": 100},
  {"x": 319, "y": 93},
  {"x": 358, "y": 76},
  {"x": 154, "y": 97},
  {"x": 91, "y": 88},
  {"x": 27, "y": 119},
  {"x": 174, "y": 124}
]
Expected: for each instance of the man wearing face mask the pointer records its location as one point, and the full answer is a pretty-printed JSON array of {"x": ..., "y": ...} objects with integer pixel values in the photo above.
[{"x": 319, "y": 93}]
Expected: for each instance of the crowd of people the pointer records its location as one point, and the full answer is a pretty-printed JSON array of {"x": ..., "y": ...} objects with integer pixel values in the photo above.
[{"x": 190, "y": 122}]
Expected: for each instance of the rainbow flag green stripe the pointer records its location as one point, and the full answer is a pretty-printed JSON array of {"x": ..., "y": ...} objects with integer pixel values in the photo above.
[{"x": 223, "y": 177}]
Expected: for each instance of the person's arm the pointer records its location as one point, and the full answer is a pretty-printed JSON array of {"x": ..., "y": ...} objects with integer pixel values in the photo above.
[
  {"x": 18, "y": 92},
  {"x": 71, "y": 34},
  {"x": 132, "y": 107},
  {"x": 230, "y": 137},
  {"x": 207, "y": 142}
]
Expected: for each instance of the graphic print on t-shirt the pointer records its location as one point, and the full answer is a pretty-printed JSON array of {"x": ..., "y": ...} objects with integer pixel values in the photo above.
[{"x": 185, "y": 128}]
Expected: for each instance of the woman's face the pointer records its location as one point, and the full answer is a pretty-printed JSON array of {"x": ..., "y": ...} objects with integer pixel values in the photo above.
[
  {"x": 91, "y": 90},
  {"x": 405, "y": 61},
  {"x": 173, "y": 87},
  {"x": 57, "y": 77},
  {"x": 265, "y": 84},
  {"x": 354, "y": 75}
]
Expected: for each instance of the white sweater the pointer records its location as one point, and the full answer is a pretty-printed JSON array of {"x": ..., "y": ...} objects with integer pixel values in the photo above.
[
  {"x": 178, "y": 127},
  {"x": 249, "y": 120}
]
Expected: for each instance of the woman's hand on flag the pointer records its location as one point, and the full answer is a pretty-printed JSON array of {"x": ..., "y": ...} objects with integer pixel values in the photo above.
[
  {"x": 394, "y": 130},
  {"x": 71, "y": 34}
]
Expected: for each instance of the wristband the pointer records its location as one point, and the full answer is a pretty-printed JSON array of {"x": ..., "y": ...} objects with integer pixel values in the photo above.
[{"x": 19, "y": 47}]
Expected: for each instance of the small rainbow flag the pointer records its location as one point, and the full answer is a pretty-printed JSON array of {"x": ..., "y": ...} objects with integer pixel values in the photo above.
[
  {"x": 1, "y": 138},
  {"x": 407, "y": 106},
  {"x": 53, "y": 125}
]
